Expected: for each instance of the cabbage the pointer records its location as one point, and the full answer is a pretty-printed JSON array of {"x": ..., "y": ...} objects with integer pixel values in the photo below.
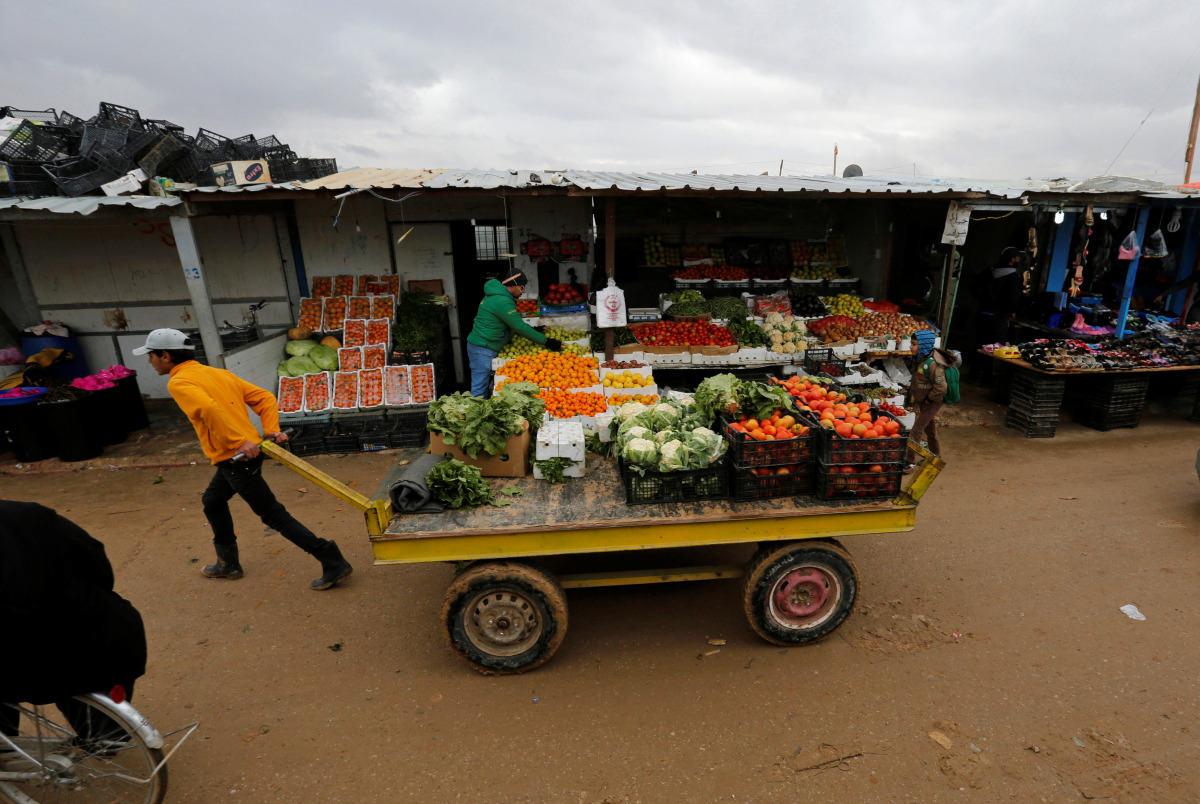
[
  {"x": 301, "y": 365},
  {"x": 325, "y": 358},
  {"x": 629, "y": 410},
  {"x": 672, "y": 456},
  {"x": 641, "y": 451},
  {"x": 703, "y": 449},
  {"x": 282, "y": 369},
  {"x": 296, "y": 348}
]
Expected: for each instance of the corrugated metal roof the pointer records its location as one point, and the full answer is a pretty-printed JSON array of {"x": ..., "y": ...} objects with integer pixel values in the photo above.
[
  {"x": 493, "y": 179},
  {"x": 632, "y": 182},
  {"x": 248, "y": 188},
  {"x": 375, "y": 178},
  {"x": 87, "y": 204}
]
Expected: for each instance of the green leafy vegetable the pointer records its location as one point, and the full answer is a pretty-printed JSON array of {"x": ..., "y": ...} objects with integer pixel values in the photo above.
[
  {"x": 758, "y": 400},
  {"x": 591, "y": 440},
  {"x": 748, "y": 333},
  {"x": 513, "y": 491},
  {"x": 684, "y": 296},
  {"x": 552, "y": 469},
  {"x": 716, "y": 394},
  {"x": 479, "y": 425},
  {"x": 730, "y": 308},
  {"x": 457, "y": 485},
  {"x": 689, "y": 308}
]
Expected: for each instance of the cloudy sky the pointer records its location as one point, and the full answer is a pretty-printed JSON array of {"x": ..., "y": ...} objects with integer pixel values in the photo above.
[{"x": 954, "y": 89}]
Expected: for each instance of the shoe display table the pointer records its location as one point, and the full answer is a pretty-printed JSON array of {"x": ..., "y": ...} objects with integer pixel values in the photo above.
[{"x": 1100, "y": 399}]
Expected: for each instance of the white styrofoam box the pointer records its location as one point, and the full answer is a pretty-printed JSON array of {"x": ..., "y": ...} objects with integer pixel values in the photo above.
[
  {"x": 131, "y": 182},
  {"x": 845, "y": 351},
  {"x": 533, "y": 320},
  {"x": 907, "y": 420},
  {"x": 779, "y": 357},
  {"x": 560, "y": 439},
  {"x": 756, "y": 354},
  {"x": 644, "y": 370},
  {"x": 937, "y": 342},
  {"x": 586, "y": 421},
  {"x": 498, "y": 363},
  {"x": 580, "y": 320},
  {"x": 681, "y": 358},
  {"x": 576, "y": 469},
  {"x": 905, "y": 345},
  {"x": 645, "y": 390}
]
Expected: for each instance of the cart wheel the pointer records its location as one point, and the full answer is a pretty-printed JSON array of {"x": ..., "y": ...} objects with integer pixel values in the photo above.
[
  {"x": 505, "y": 617},
  {"x": 799, "y": 592}
]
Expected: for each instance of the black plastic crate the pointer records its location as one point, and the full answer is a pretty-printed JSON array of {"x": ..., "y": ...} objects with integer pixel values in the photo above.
[
  {"x": 1032, "y": 427},
  {"x": 409, "y": 421},
  {"x": 744, "y": 451},
  {"x": 28, "y": 179},
  {"x": 309, "y": 439},
  {"x": 36, "y": 115},
  {"x": 80, "y": 176},
  {"x": 70, "y": 121},
  {"x": 36, "y": 143},
  {"x": 835, "y": 449},
  {"x": 319, "y": 168},
  {"x": 359, "y": 424},
  {"x": 112, "y": 114},
  {"x": 403, "y": 439},
  {"x": 747, "y": 485},
  {"x": 374, "y": 443},
  {"x": 161, "y": 154},
  {"x": 835, "y": 483},
  {"x": 815, "y": 356},
  {"x": 342, "y": 443},
  {"x": 692, "y": 485}
]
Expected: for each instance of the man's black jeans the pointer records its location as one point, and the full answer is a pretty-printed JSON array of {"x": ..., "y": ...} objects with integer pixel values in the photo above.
[{"x": 245, "y": 479}]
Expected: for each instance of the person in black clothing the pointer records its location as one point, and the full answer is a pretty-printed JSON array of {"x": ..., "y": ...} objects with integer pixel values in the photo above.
[
  {"x": 998, "y": 291},
  {"x": 1189, "y": 316},
  {"x": 66, "y": 631}
]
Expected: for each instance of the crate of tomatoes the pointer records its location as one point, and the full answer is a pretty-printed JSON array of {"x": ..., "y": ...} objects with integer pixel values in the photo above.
[
  {"x": 781, "y": 439},
  {"x": 679, "y": 333},
  {"x": 763, "y": 482}
]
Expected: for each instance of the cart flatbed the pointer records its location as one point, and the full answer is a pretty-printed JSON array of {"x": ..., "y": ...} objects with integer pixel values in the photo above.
[{"x": 589, "y": 514}]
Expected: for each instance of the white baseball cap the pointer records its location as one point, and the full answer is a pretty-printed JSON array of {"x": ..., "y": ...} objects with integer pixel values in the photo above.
[{"x": 161, "y": 339}]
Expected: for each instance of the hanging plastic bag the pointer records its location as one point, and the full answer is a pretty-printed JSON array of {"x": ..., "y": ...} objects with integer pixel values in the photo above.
[
  {"x": 1128, "y": 249},
  {"x": 610, "y": 306},
  {"x": 1156, "y": 245}
]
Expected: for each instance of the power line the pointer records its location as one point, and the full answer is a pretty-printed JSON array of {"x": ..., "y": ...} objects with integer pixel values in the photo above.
[{"x": 1147, "y": 117}]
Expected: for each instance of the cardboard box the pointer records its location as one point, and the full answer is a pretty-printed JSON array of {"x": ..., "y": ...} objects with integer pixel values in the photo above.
[
  {"x": 718, "y": 350},
  {"x": 241, "y": 173},
  {"x": 513, "y": 461}
]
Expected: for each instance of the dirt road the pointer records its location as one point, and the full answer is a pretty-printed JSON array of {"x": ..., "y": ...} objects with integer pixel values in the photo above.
[{"x": 987, "y": 660}]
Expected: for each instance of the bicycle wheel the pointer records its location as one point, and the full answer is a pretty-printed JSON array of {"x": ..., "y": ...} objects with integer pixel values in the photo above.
[{"x": 85, "y": 752}]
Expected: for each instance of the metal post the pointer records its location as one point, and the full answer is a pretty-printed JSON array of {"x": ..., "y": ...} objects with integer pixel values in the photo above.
[
  {"x": 287, "y": 262},
  {"x": 30, "y": 311},
  {"x": 1060, "y": 256},
  {"x": 610, "y": 262},
  {"x": 197, "y": 285},
  {"x": 1131, "y": 273}
]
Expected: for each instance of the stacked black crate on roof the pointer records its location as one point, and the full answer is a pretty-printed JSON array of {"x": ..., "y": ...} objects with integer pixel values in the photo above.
[{"x": 50, "y": 153}]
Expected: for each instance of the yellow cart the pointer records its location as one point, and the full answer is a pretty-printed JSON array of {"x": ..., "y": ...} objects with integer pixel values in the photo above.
[{"x": 505, "y": 613}]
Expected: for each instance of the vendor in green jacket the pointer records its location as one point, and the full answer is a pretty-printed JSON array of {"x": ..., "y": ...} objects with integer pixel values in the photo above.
[{"x": 495, "y": 322}]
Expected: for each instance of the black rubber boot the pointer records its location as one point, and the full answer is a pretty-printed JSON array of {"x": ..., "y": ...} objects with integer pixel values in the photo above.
[
  {"x": 333, "y": 567},
  {"x": 227, "y": 565}
]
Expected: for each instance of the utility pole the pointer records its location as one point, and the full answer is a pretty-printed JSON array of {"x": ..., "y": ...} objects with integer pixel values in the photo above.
[{"x": 1191, "y": 146}]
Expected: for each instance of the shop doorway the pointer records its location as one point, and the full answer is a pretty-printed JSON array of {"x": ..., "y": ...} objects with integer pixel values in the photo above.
[
  {"x": 478, "y": 248},
  {"x": 424, "y": 251}
]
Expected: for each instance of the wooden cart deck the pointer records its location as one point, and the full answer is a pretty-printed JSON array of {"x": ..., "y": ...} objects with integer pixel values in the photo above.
[{"x": 589, "y": 514}]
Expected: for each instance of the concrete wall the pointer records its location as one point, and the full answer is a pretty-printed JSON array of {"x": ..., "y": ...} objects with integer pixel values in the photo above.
[{"x": 113, "y": 279}]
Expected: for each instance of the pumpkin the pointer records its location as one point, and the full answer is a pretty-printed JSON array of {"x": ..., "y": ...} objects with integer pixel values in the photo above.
[
  {"x": 331, "y": 342},
  {"x": 299, "y": 334}
]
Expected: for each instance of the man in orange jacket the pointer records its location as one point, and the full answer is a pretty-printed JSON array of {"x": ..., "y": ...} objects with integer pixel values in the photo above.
[{"x": 215, "y": 401}]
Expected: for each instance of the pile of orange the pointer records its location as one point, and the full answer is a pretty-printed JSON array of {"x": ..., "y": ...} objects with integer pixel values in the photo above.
[
  {"x": 778, "y": 427},
  {"x": 562, "y": 404},
  {"x": 553, "y": 370}
]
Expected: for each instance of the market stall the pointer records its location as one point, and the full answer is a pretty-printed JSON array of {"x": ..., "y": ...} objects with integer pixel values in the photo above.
[{"x": 1103, "y": 381}]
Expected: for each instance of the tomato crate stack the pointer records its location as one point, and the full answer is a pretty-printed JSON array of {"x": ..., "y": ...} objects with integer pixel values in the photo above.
[
  {"x": 769, "y": 468},
  {"x": 862, "y": 467}
]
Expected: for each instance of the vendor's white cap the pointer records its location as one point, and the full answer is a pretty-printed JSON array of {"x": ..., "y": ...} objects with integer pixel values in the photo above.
[{"x": 161, "y": 339}]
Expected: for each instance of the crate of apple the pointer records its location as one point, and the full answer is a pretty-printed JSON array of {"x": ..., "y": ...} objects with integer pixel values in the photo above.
[{"x": 562, "y": 295}]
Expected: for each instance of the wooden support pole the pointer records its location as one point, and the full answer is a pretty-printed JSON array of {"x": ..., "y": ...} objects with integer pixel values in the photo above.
[{"x": 1191, "y": 144}]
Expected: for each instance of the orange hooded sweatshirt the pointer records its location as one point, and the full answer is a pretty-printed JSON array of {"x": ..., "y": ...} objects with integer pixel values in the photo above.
[{"x": 215, "y": 401}]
